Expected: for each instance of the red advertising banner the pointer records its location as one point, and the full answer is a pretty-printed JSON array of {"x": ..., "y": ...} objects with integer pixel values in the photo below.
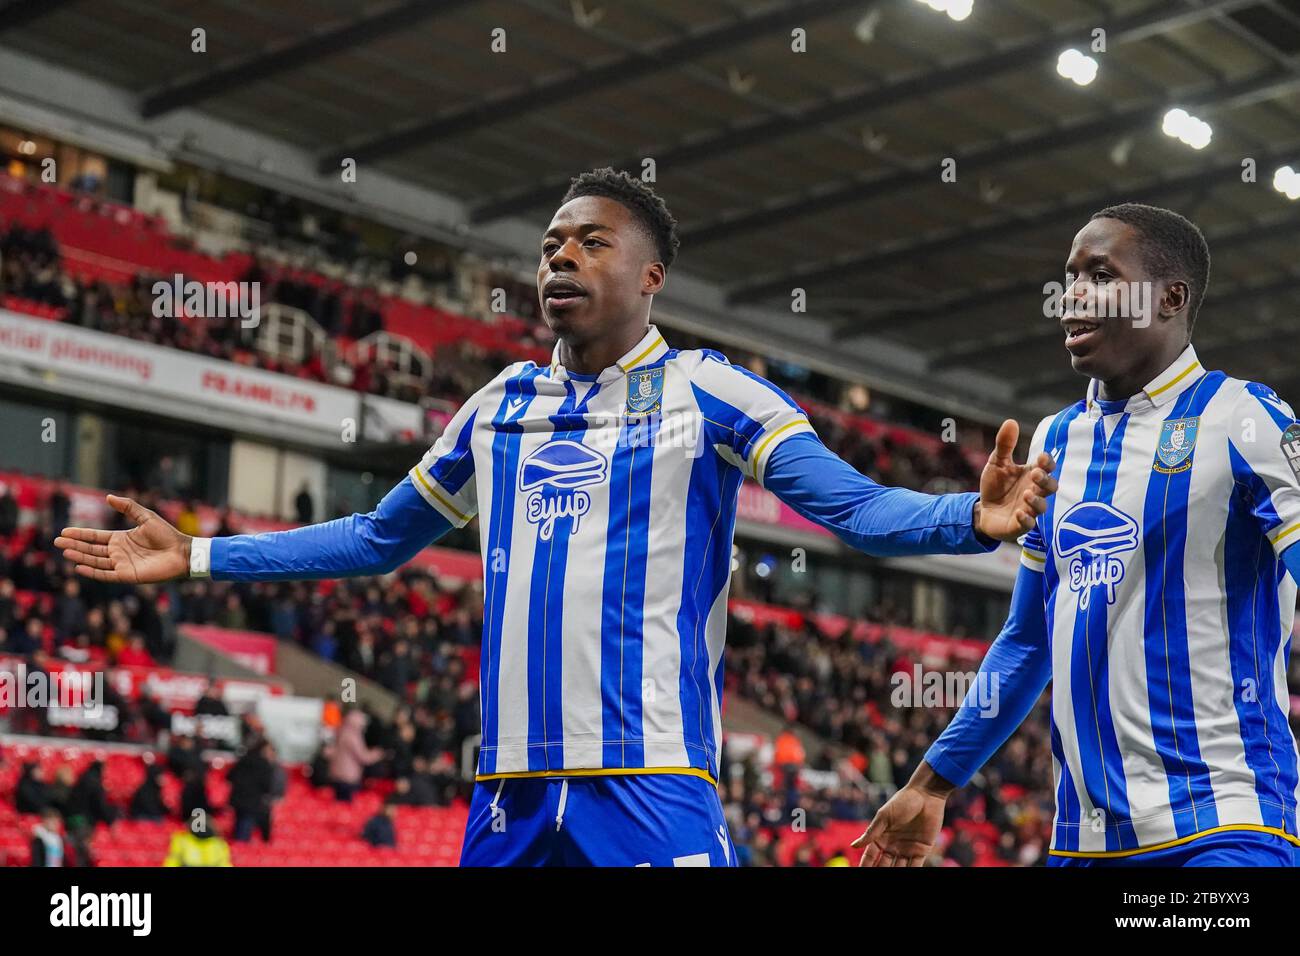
[{"x": 757, "y": 504}]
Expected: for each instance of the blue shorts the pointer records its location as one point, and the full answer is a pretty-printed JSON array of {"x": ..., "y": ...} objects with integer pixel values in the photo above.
[
  {"x": 1232, "y": 848},
  {"x": 633, "y": 820}
]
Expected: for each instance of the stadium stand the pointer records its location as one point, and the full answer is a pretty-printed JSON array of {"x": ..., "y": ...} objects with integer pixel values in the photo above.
[
  {"x": 416, "y": 633},
  {"x": 45, "y": 275}
]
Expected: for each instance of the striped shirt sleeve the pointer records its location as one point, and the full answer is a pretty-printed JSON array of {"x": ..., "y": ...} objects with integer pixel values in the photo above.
[
  {"x": 1264, "y": 440},
  {"x": 745, "y": 416},
  {"x": 1033, "y": 544},
  {"x": 444, "y": 477}
]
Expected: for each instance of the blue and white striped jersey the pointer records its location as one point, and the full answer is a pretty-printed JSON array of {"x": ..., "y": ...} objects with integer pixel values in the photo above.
[
  {"x": 606, "y": 510},
  {"x": 1169, "y": 610}
]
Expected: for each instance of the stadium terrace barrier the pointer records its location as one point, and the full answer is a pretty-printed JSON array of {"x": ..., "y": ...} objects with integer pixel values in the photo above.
[
  {"x": 314, "y": 676},
  {"x": 201, "y": 655},
  {"x": 251, "y": 650},
  {"x": 127, "y": 242},
  {"x": 921, "y": 643}
]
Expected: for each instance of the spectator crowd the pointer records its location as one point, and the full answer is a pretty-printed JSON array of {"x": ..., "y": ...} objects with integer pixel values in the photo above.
[{"x": 418, "y": 637}]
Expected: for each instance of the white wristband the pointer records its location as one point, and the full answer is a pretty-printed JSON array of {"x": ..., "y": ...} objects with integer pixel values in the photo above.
[{"x": 200, "y": 557}]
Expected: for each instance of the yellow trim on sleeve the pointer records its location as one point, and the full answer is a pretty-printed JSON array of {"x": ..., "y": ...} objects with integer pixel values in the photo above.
[
  {"x": 1026, "y": 553},
  {"x": 1286, "y": 531},
  {"x": 758, "y": 452},
  {"x": 597, "y": 772},
  {"x": 1108, "y": 854},
  {"x": 434, "y": 491}
]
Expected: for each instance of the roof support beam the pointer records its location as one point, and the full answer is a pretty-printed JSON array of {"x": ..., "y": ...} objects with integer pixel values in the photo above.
[
  {"x": 972, "y": 70},
  {"x": 1222, "y": 172},
  {"x": 572, "y": 84},
  {"x": 293, "y": 53},
  {"x": 19, "y": 13}
]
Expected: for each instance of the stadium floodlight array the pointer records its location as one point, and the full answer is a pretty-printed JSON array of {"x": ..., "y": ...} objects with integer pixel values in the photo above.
[
  {"x": 1287, "y": 181},
  {"x": 1077, "y": 66},
  {"x": 956, "y": 9},
  {"x": 1185, "y": 127}
]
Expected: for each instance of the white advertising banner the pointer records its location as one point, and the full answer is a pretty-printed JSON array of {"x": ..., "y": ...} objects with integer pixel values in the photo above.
[
  {"x": 170, "y": 380},
  {"x": 293, "y": 725}
]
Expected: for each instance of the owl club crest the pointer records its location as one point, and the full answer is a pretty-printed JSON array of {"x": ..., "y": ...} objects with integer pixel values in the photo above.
[
  {"x": 645, "y": 391},
  {"x": 1177, "y": 439}
]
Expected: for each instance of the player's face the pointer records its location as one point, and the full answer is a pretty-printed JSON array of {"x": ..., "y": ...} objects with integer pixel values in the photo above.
[
  {"x": 597, "y": 264},
  {"x": 1111, "y": 307}
]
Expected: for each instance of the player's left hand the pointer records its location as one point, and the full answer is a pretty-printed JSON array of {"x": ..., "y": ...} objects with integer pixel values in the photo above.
[{"x": 1012, "y": 496}]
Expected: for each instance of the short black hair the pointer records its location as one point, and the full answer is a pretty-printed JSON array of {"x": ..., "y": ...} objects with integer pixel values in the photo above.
[
  {"x": 1172, "y": 248},
  {"x": 642, "y": 201}
]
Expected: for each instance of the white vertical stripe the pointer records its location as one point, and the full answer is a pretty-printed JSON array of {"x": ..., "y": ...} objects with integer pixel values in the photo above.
[
  {"x": 715, "y": 634},
  {"x": 1073, "y": 477},
  {"x": 484, "y": 480},
  {"x": 1213, "y": 693},
  {"x": 661, "y": 703}
]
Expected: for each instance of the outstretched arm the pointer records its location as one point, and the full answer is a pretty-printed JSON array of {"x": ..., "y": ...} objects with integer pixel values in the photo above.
[
  {"x": 360, "y": 544},
  {"x": 437, "y": 495},
  {"x": 373, "y": 543},
  {"x": 885, "y": 521},
  {"x": 755, "y": 426},
  {"x": 1011, "y": 678}
]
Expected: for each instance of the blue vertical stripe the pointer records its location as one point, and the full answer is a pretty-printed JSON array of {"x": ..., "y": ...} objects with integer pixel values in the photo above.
[
  {"x": 546, "y": 609},
  {"x": 725, "y": 424},
  {"x": 1067, "y": 799},
  {"x": 623, "y": 604},
  {"x": 1252, "y": 574},
  {"x": 706, "y": 566},
  {"x": 1169, "y": 679},
  {"x": 505, "y": 465},
  {"x": 453, "y": 469}
]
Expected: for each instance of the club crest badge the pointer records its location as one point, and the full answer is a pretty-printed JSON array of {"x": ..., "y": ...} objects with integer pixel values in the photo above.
[
  {"x": 1291, "y": 447},
  {"x": 645, "y": 391},
  {"x": 1177, "y": 439}
]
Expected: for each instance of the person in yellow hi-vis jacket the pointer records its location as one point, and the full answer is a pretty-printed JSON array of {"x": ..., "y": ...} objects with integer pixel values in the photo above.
[{"x": 203, "y": 848}]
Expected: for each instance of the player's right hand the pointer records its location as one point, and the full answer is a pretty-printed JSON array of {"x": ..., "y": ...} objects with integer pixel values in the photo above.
[
  {"x": 904, "y": 830},
  {"x": 151, "y": 551}
]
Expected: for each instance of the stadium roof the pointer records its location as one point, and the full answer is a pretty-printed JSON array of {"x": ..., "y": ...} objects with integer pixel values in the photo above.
[{"x": 818, "y": 170}]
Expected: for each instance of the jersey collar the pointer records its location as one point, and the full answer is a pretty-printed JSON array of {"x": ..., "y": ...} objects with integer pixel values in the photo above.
[
  {"x": 650, "y": 349},
  {"x": 1161, "y": 390}
]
